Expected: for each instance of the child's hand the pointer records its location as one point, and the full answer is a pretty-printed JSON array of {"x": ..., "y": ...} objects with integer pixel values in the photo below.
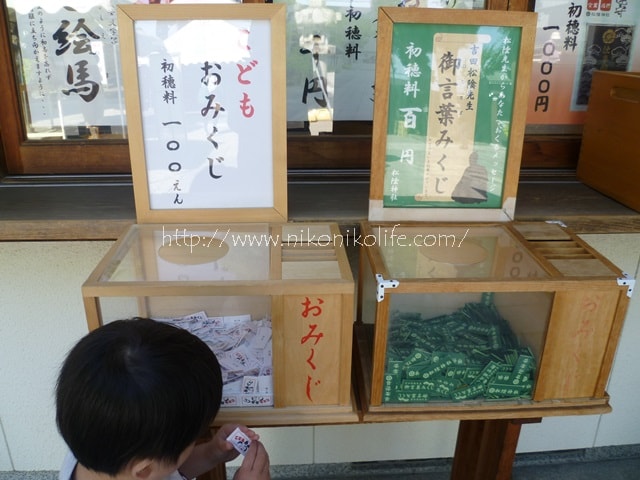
[
  {"x": 218, "y": 450},
  {"x": 255, "y": 465},
  {"x": 225, "y": 449}
]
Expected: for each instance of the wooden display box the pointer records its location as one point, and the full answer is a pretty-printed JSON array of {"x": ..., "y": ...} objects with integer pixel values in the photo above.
[
  {"x": 274, "y": 300},
  {"x": 296, "y": 276},
  {"x": 609, "y": 151},
  {"x": 480, "y": 321}
]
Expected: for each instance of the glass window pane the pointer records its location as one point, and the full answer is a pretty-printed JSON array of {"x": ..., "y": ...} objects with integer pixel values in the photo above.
[{"x": 67, "y": 66}]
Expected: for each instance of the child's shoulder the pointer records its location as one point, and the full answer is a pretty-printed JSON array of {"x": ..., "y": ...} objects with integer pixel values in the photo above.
[{"x": 68, "y": 467}]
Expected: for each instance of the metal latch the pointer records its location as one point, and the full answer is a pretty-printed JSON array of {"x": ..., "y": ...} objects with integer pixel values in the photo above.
[
  {"x": 627, "y": 281},
  {"x": 556, "y": 222},
  {"x": 382, "y": 284}
]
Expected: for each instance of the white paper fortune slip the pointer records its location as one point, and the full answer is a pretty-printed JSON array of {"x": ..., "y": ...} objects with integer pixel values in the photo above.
[{"x": 239, "y": 441}]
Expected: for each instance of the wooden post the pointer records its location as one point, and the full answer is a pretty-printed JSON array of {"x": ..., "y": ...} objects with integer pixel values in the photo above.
[
  {"x": 519, "y": 5},
  {"x": 497, "y": 4},
  {"x": 485, "y": 449},
  {"x": 516, "y": 5}
]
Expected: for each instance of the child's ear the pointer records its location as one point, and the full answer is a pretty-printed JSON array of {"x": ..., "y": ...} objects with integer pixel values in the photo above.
[{"x": 142, "y": 469}]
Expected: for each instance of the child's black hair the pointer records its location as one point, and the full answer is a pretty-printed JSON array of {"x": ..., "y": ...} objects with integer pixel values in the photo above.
[{"x": 136, "y": 389}]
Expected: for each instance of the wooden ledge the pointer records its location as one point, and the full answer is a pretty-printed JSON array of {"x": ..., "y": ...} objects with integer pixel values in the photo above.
[
  {"x": 54, "y": 230},
  {"x": 104, "y": 211},
  {"x": 578, "y": 206}
]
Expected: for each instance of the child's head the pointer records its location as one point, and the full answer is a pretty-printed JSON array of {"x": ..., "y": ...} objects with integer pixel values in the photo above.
[{"x": 136, "y": 389}]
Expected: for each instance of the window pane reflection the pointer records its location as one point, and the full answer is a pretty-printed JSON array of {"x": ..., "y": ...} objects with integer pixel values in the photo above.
[{"x": 67, "y": 62}]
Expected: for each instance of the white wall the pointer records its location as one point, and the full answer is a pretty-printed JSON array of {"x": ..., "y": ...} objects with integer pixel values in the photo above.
[{"x": 42, "y": 316}]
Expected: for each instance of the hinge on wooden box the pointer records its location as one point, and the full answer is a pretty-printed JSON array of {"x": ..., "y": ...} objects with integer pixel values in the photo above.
[
  {"x": 382, "y": 284},
  {"x": 627, "y": 281}
]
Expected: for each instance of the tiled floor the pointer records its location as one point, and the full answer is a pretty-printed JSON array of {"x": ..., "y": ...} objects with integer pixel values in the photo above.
[
  {"x": 622, "y": 469},
  {"x": 605, "y": 463},
  {"x": 612, "y": 470},
  {"x": 628, "y": 469},
  {"x": 611, "y": 463}
]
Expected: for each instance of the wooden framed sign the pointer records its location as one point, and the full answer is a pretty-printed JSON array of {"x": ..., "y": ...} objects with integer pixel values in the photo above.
[
  {"x": 206, "y": 110},
  {"x": 449, "y": 113}
]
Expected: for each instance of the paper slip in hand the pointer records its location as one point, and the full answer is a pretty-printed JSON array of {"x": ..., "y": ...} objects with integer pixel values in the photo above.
[{"x": 239, "y": 441}]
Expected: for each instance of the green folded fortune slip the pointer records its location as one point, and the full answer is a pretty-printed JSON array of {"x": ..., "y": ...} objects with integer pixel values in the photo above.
[{"x": 469, "y": 354}]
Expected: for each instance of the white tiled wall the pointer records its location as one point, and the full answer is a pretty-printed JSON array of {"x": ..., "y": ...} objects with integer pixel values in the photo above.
[
  {"x": 42, "y": 316},
  {"x": 5, "y": 460},
  {"x": 385, "y": 441}
]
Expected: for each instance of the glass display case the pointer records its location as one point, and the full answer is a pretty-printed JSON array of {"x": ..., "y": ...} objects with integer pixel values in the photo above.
[
  {"x": 275, "y": 302},
  {"x": 482, "y": 320}
]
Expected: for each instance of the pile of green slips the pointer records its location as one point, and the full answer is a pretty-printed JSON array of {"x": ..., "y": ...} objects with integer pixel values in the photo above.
[{"x": 469, "y": 354}]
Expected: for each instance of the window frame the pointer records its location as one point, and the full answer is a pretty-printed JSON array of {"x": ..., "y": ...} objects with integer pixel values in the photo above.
[
  {"x": 42, "y": 157},
  {"x": 344, "y": 152}
]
